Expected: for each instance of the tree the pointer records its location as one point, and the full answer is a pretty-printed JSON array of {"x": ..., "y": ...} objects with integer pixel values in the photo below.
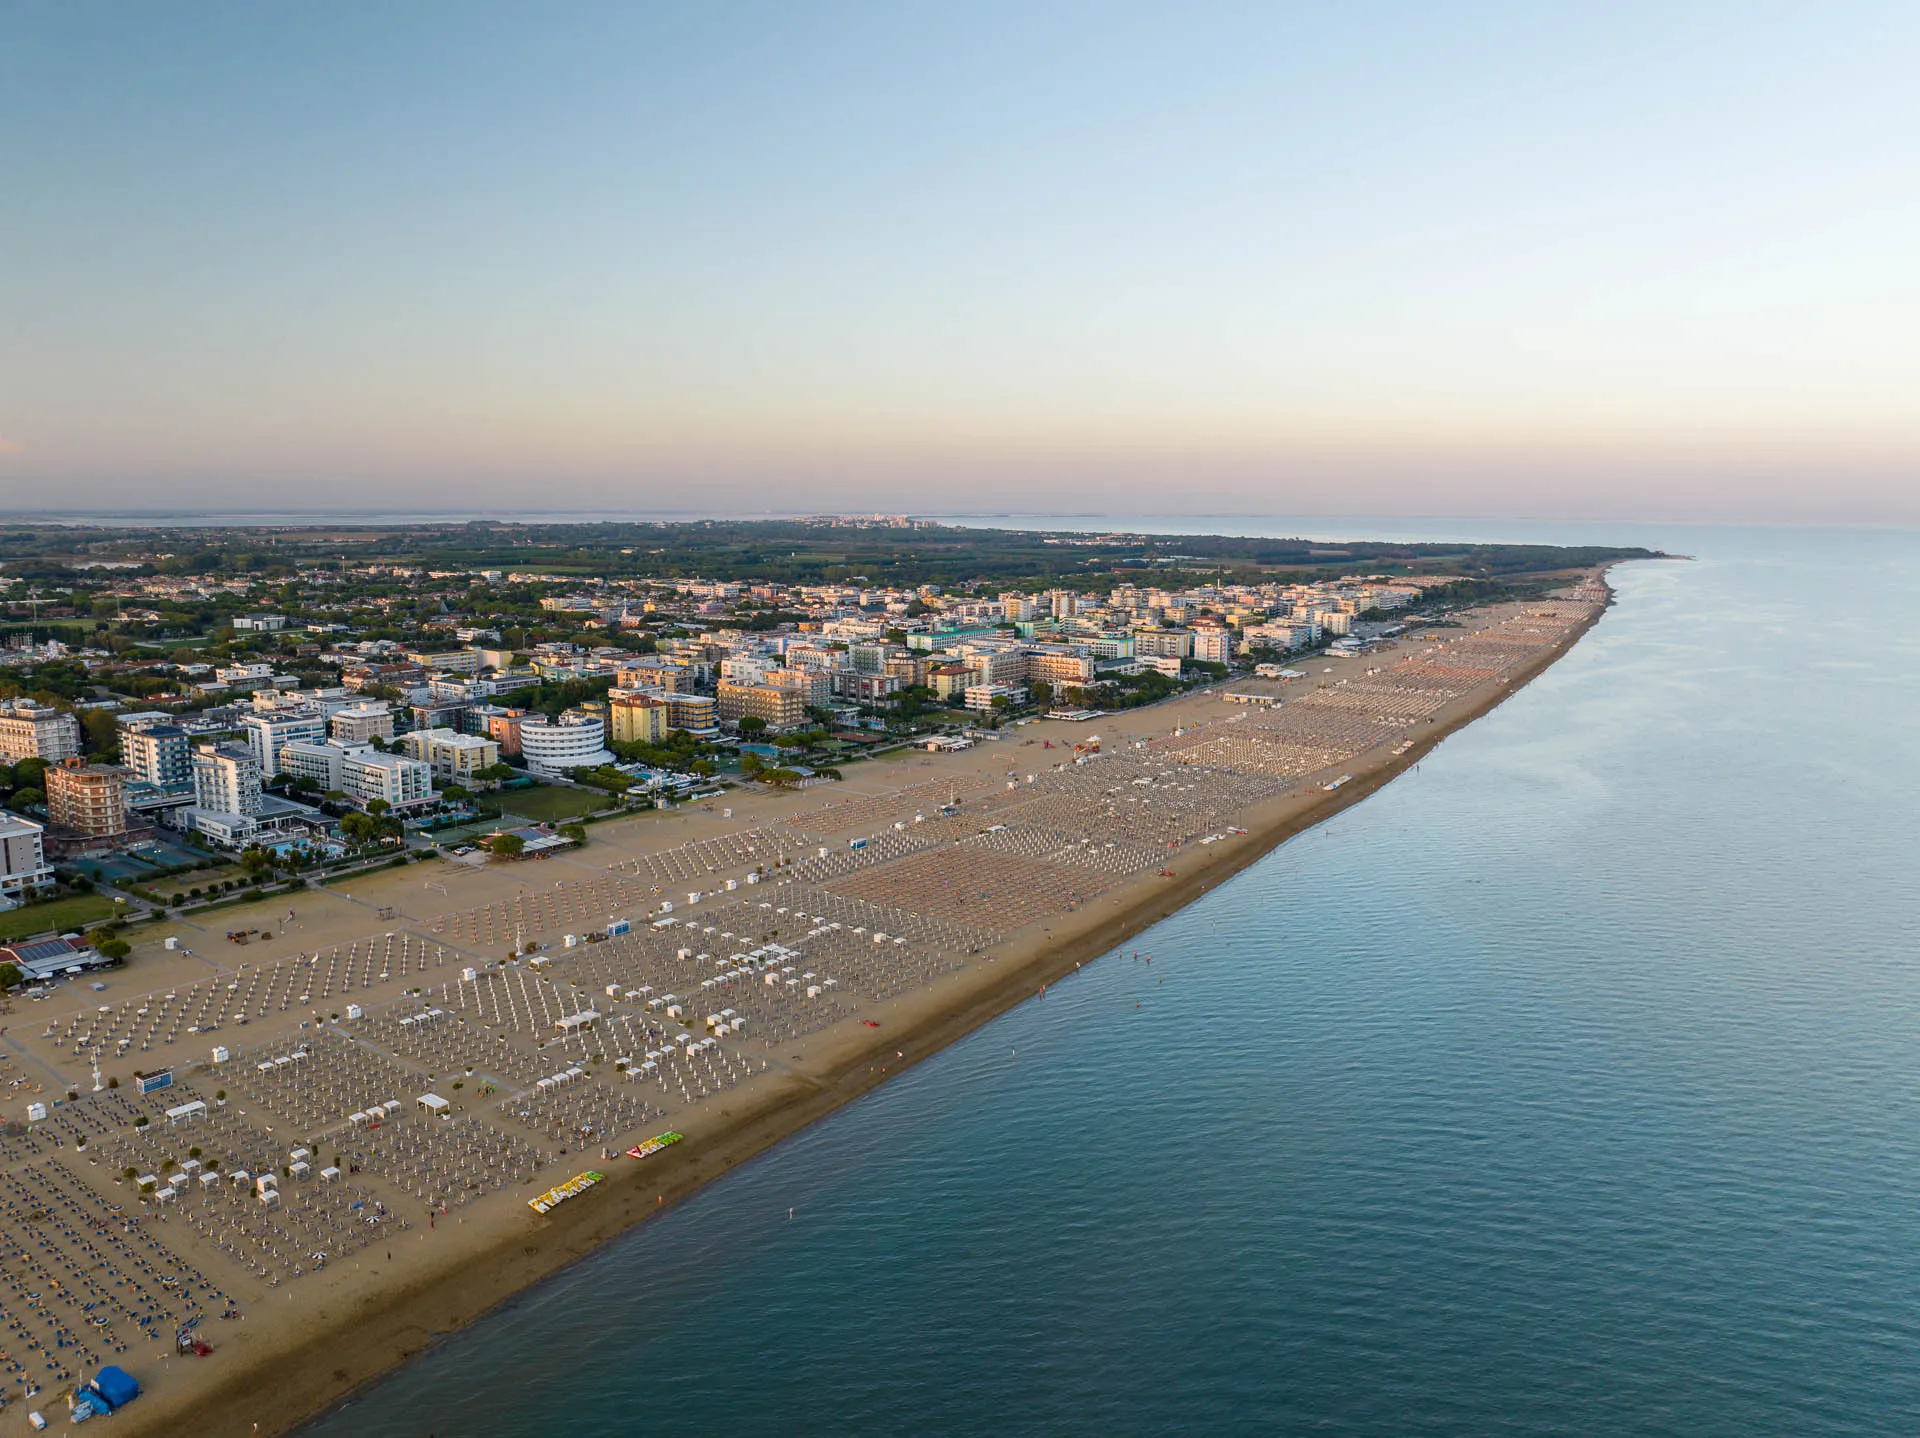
[
  {"x": 256, "y": 861},
  {"x": 1041, "y": 691},
  {"x": 24, "y": 799},
  {"x": 30, "y": 772},
  {"x": 103, "y": 733},
  {"x": 456, "y": 794},
  {"x": 114, "y": 948},
  {"x": 752, "y": 724},
  {"x": 751, "y": 764},
  {"x": 575, "y": 832},
  {"x": 10, "y": 976},
  {"x": 507, "y": 846},
  {"x": 705, "y": 768},
  {"x": 377, "y": 807}
]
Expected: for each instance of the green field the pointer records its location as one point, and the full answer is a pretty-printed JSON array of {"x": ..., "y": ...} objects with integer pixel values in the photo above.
[
  {"x": 60, "y": 914},
  {"x": 551, "y": 804}
]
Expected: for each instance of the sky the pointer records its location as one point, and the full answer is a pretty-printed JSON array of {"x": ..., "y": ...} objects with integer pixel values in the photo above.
[{"x": 1624, "y": 261}]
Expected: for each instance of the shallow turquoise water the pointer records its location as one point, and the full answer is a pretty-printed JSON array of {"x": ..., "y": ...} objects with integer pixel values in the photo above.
[{"x": 1570, "y": 1084}]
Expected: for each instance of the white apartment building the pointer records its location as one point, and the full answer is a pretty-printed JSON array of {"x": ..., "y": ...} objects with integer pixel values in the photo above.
[
  {"x": 35, "y": 731},
  {"x": 363, "y": 722},
  {"x": 324, "y": 702},
  {"x": 1282, "y": 634},
  {"x": 577, "y": 740},
  {"x": 268, "y": 733},
  {"x": 243, "y": 673},
  {"x": 453, "y": 757},
  {"x": 402, "y": 782},
  {"x": 361, "y": 772},
  {"x": 1174, "y": 643},
  {"x": 226, "y": 792},
  {"x": 747, "y": 668},
  {"x": 226, "y": 779},
  {"x": 318, "y": 760},
  {"x": 23, "y": 860},
  {"x": 446, "y": 661},
  {"x": 1215, "y": 646},
  {"x": 470, "y": 688},
  {"x": 980, "y": 697}
]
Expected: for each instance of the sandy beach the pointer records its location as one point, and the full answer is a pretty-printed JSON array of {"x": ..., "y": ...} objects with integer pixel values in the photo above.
[{"x": 839, "y": 934}]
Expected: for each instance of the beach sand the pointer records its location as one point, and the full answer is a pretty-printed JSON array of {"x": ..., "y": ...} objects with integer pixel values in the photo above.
[{"x": 304, "y": 1343}]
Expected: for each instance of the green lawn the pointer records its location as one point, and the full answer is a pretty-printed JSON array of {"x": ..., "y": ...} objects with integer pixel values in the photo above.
[
  {"x": 551, "y": 804},
  {"x": 61, "y": 914}
]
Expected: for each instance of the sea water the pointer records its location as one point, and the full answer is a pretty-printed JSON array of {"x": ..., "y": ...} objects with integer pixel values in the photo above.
[{"x": 1569, "y": 1084}]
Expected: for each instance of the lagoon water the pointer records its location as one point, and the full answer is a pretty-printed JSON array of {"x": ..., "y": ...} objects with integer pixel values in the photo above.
[{"x": 1570, "y": 1084}]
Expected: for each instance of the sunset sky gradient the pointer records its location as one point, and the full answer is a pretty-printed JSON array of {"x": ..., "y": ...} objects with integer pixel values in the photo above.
[{"x": 1619, "y": 261}]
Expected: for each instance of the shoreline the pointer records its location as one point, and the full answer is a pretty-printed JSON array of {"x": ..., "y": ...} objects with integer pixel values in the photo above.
[{"x": 351, "y": 1339}]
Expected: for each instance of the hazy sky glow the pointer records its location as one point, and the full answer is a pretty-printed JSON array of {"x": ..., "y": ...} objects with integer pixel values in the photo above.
[{"x": 1612, "y": 260}]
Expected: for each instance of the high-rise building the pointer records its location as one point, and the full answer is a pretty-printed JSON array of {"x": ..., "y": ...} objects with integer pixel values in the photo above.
[
  {"x": 158, "y": 754},
  {"x": 88, "y": 798},
  {"x": 1214, "y": 644},
  {"x": 226, "y": 779},
  {"x": 266, "y": 733}
]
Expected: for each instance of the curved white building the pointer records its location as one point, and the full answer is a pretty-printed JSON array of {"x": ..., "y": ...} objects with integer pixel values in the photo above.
[{"x": 574, "y": 741}]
